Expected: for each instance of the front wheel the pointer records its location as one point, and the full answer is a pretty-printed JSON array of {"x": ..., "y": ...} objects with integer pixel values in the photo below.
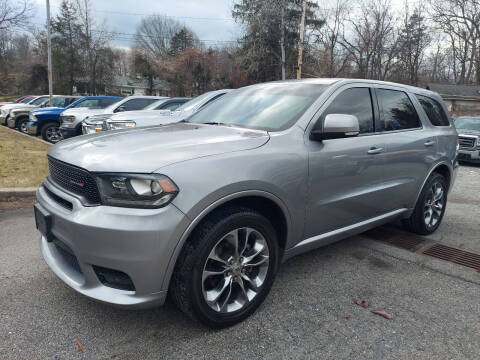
[
  {"x": 51, "y": 132},
  {"x": 227, "y": 269},
  {"x": 22, "y": 125},
  {"x": 430, "y": 207}
]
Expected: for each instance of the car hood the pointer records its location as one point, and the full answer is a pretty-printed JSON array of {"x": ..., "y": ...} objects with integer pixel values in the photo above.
[
  {"x": 135, "y": 115},
  {"x": 23, "y": 108},
  {"x": 147, "y": 149},
  {"x": 467, "y": 132},
  {"x": 47, "y": 111},
  {"x": 83, "y": 111},
  {"x": 16, "y": 106}
]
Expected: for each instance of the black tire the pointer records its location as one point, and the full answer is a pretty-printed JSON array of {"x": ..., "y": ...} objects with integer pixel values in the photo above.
[
  {"x": 186, "y": 285},
  {"x": 416, "y": 223},
  {"x": 22, "y": 125},
  {"x": 45, "y": 132}
]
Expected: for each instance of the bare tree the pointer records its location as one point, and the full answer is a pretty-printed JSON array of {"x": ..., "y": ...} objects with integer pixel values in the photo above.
[
  {"x": 14, "y": 13},
  {"x": 460, "y": 20},
  {"x": 373, "y": 45},
  {"x": 154, "y": 35}
]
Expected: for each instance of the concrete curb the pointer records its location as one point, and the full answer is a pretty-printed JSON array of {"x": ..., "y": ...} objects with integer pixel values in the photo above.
[
  {"x": 29, "y": 136},
  {"x": 18, "y": 192}
]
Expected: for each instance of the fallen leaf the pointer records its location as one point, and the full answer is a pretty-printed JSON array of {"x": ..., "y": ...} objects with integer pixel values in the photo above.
[
  {"x": 347, "y": 316},
  {"x": 79, "y": 344},
  {"x": 382, "y": 313},
  {"x": 362, "y": 303}
]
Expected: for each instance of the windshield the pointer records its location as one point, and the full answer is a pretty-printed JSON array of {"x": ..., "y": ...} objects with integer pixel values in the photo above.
[
  {"x": 271, "y": 107},
  {"x": 38, "y": 101},
  {"x": 153, "y": 105},
  {"x": 468, "y": 123},
  {"x": 189, "y": 105}
]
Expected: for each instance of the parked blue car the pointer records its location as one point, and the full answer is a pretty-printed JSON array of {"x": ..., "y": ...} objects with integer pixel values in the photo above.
[{"x": 47, "y": 121}]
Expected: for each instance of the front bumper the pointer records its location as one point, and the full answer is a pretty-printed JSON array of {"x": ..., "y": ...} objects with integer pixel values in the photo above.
[
  {"x": 3, "y": 119},
  {"x": 469, "y": 155},
  {"x": 11, "y": 123},
  {"x": 32, "y": 128},
  {"x": 136, "y": 242},
  {"x": 68, "y": 132}
]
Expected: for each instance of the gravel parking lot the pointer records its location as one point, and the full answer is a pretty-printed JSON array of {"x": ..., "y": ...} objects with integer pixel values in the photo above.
[{"x": 310, "y": 312}]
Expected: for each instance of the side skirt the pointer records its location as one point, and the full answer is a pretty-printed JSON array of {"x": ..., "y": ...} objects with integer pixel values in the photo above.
[{"x": 342, "y": 233}]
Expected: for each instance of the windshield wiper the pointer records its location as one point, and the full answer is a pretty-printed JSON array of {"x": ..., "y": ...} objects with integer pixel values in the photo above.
[{"x": 217, "y": 123}]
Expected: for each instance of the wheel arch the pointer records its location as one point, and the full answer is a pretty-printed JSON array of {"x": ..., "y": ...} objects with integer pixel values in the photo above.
[
  {"x": 443, "y": 168},
  {"x": 264, "y": 202},
  {"x": 20, "y": 117}
]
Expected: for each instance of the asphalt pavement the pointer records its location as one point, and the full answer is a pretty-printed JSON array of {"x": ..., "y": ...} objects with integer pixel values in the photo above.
[{"x": 310, "y": 312}]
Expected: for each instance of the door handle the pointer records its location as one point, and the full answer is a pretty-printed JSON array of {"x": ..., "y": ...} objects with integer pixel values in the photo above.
[
  {"x": 375, "y": 150},
  {"x": 429, "y": 143}
]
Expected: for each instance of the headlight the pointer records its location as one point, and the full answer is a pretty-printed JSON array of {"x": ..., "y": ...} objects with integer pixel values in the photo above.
[
  {"x": 136, "y": 190},
  {"x": 32, "y": 117},
  {"x": 117, "y": 125},
  {"x": 68, "y": 120},
  {"x": 478, "y": 141}
]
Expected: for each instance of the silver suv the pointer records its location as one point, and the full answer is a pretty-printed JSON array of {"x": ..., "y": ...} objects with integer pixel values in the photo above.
[{"x": 208, "y": 208}]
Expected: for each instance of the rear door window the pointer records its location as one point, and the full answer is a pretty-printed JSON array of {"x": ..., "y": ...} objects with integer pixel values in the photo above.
[
  {"x": 354, "y": 101},
  {"x": 397, "y": 111},
  {"x": 434, "y": 111}
]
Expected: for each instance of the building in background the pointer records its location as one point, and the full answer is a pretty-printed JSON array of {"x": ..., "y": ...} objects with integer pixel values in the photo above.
[{"x": 460, "y": 99}]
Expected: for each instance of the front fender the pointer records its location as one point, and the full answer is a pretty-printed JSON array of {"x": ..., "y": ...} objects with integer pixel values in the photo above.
[{"x": 207, "y": 210}]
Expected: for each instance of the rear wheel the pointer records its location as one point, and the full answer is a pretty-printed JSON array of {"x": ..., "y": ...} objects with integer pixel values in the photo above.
[
  {"x": 430, "y": 207},
  {"x": 51, "y": 132},
  {"x": 227, "y": 269}
]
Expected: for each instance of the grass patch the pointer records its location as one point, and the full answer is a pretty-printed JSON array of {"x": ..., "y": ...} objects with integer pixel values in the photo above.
[{"x": 23, "y": 160}]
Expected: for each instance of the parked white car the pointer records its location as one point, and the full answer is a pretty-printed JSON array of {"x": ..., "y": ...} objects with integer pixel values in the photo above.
[
  {"x": 150, "y": 117},
  {"x": 72, "y": 118},
  {"x": 5, "y": 109}
]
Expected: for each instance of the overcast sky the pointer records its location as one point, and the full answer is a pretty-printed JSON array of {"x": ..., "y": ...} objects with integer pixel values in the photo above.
[{"x": 211, "y": 23}]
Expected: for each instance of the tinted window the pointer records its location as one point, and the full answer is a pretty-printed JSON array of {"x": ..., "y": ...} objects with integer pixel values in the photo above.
[
  {"x": 398, "y": 112},
  {"x": 271, "y": 107},
  {"x": 434, "y": 111},
  {"x": 137, "y": 104},
  {"x": 170, "y": 106},
  {"x": 355, "y": 101}
]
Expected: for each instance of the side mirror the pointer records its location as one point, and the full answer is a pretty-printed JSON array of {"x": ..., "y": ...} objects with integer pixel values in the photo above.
[
  {"x": 120, "y": 108},
  {"x": 337, "y": 126}
]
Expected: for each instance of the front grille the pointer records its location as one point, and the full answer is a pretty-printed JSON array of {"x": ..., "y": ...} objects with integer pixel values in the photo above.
[
  {"x": 466, "y": 142},
  {"x": 77, "y": 180}
]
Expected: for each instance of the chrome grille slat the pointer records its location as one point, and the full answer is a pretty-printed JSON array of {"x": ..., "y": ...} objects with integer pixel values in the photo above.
[{"x": 466, "y": 142}]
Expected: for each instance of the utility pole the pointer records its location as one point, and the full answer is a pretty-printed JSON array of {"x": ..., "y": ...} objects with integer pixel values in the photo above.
[
  {"x": 49, "y": 52},
  {"x": 300, "y": 42}
]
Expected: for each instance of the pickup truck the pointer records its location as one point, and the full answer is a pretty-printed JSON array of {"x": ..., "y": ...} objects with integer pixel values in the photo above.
[
  {"x": 47, "y": 121},
  {"x": 124, "y": 121},
  {"x": 129, "y": 119},
  {"x": 19, "y": 116},
  {"x": 72, "y": 118},
  {"x": 5, "y": 110}
]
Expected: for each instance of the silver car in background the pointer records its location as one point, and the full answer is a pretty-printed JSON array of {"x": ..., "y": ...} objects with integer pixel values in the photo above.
[
  {"x": 207, "y": 209},
  {"x": 468, "y": 128}
]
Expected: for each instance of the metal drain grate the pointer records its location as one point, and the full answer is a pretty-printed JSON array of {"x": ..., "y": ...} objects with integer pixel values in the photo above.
[
  {"x": 456, "y": 256},
  {"x": 394, "y": 238}
]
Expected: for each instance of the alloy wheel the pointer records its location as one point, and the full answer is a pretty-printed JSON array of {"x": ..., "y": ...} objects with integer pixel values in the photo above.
[
  {"x": 23, "y": 127},
  {"x": 434, "y": 204},
  {"x": 235, "y": 270},
  {"x": 53, "y": 134}
]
